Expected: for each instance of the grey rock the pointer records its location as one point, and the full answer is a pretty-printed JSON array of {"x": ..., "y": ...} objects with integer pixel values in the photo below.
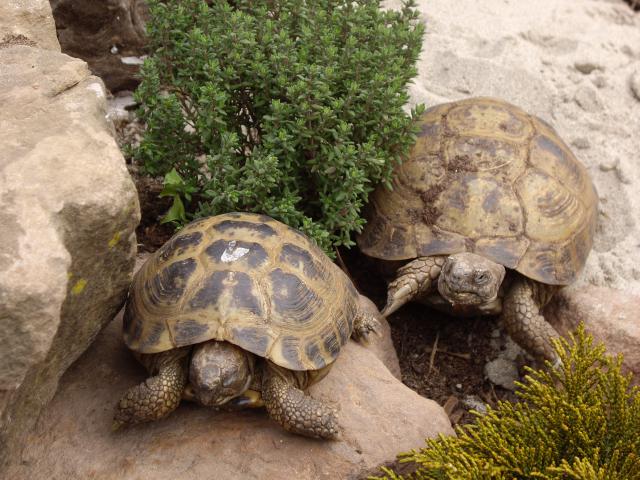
[
  {"x": 473, "y": 402},
  {"x": 67, "y": 240},
  {"x": 502, "y": 372}
]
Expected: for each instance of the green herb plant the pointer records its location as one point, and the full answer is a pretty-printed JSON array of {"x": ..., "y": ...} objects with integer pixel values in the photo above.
[
  {"x": 290, "y": 108},
  {"x": 580, "y": 421}
]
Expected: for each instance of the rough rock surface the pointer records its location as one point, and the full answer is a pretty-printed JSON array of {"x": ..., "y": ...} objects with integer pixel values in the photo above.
[
  {"x": 611, "y": 316},
  {"x": 107, "y": 34},
  {"x": 73, "y": 440},
  {"x": 381, "y": 345},
  {"x": 27, "y": 22},
  {"x": 69, "y": 210}
]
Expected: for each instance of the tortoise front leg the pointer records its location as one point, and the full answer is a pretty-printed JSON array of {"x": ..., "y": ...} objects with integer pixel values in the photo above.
[
  {"x": 523, "y": 321},
  {"x": 157, "y": 396},
  {"x": 366, "y": 320},
  {"x": 416, "y": 278},
  {"x": 295, "y": 411}
]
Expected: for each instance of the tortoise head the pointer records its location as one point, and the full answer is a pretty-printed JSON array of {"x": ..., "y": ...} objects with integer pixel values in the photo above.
[
  {"x": 469, "y": 279},
  {"x": 220, "y": 371}
]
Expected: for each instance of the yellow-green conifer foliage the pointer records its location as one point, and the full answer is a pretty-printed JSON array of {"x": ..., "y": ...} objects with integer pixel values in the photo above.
[{"x": 578, "y": 421}]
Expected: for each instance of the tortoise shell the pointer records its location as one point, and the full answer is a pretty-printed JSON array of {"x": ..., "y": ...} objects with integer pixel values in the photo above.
[
  {"x": 486, "y": 177},
  {"x": 247, "y": 279}
]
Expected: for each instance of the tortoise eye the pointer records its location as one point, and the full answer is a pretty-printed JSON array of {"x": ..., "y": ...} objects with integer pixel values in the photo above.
[{"x": 482, "y": 277}]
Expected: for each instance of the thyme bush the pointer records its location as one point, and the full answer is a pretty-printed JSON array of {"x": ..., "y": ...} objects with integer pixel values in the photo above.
[
  {"x": 580, "y": 421},
  {"x": 290, "y": 108}
]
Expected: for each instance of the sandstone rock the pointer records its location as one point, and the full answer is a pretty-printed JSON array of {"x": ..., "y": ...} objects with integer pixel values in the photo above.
[
  {"x": 380, "y": 417},
  {"x": 69, "y": 209},
  {"x": 27, "y": 22},
  {"x": 108, "y": 35},
  {"x": 611, "y": 316},
  {"x": 382, "y": 346}
]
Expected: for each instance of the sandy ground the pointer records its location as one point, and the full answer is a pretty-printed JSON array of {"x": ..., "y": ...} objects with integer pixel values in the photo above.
[{"x": 576, "y": 64}]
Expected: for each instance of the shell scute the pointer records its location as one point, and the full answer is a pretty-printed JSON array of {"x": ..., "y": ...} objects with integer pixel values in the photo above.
[
  {"x": 293, "y": 301},
  {"x": 246, "y": 279},
  {"x": 486, "y": 177}
]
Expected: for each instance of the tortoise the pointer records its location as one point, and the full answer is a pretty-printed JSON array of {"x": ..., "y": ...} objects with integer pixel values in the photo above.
[
  {"x": 240, "y": 310},
  {"x": 490, "y": 213}
]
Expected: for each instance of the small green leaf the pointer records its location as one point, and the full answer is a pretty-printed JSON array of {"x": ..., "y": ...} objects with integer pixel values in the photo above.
[{"x": 176, "y": 213}]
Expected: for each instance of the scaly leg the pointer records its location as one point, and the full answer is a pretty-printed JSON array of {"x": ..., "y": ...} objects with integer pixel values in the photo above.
[
  {"x": 295, "y": 411},
  {"x": 417, "y": 277},
  {"x": 157, "y": 396},
  {"x": 523, "y": 321},
  {"x": 366, "y": 320}
]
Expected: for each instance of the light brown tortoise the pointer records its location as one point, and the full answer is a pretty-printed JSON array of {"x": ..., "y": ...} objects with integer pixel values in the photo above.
[
  {"x": 486, "y": 186},
  {"x": 240, "y": 309}
]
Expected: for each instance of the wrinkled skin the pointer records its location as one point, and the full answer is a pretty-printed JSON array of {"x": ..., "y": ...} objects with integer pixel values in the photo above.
[
  {"x": 220, "y": 371},
  {"x": 469, "y": 279}
]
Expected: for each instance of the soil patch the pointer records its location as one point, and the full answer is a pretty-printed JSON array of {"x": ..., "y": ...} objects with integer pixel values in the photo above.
[
  {"x": 151, "y": 233},
  {"x": 441, "y": 357}
]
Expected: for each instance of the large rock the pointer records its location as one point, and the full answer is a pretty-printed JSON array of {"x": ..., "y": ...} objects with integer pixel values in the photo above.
[
  {"x": 67, "y": 244},
  {"x": 27, "y": 22},
  {"x": 611, "y": 316},
  {"x": 381, "y": 344},
  {"x": 73, "y": 439},
  {"x": 108, "y": 34}
]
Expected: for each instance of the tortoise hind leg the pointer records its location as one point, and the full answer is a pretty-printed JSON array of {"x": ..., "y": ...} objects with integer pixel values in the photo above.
[
  {"x": 523, "y": 320},
  {"x": 295, "y": 411},
  {"x": 157, "y": 396}
]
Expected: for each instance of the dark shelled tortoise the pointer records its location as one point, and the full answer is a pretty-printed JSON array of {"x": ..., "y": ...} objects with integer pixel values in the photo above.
[
  {"x": 486, "y": 186},
  {"x": 241, "y": 310}
]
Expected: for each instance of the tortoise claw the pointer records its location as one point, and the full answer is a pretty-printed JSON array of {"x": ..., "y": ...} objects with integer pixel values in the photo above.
[
  {"x": 249, "y": 399},
  {"x": 397, "y": 299}
]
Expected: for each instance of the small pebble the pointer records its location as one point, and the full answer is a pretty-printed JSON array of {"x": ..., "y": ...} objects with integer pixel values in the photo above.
[
  {"x": 607, "y": 166},
  {"x": 634, "y": 84},
  {"x": 586, "y": 67},
  {"x": 587, "y": 98},
  {"x": 502, "y": 372},
  {"x": 581, "y": 143},
  {"x": 622, "y": 173},
  {"x": 473, "y": 402},
  {"x": 114, "y": 50},
  {"x": 459, "y": 386},
  {"x": 600, "y": 81}
]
